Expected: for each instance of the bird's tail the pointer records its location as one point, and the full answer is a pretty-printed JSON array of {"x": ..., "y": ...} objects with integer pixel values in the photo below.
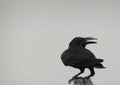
[
  {"x": 99, "y": 65},
  {"x": 99, "y": 60}
]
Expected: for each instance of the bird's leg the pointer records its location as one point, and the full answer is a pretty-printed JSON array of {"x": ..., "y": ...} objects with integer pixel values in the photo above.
[
  {"x": 81, "y": 71},
  {"x": 76, "y": 76},
  {"x": 92, "y": 72}
]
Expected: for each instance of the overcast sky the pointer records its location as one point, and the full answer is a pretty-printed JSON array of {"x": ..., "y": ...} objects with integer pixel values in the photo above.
[{"x": 34, "y": 33}]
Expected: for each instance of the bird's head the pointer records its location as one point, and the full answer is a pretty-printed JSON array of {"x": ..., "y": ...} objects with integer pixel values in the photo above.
[{"x": 80, "y": 41}]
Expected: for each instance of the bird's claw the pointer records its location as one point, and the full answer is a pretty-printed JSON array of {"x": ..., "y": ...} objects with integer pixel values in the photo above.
[
  {"x": 87, "y": 77},
  {"x": 70, "y": 80},
  {"x": 73, "y": 78}
]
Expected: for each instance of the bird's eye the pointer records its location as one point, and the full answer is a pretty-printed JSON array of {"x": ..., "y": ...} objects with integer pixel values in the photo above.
[{"x": 81, "y": 40}]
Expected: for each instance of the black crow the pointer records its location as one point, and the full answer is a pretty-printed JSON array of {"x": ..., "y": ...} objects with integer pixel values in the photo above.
[{"x": 78, "y": 56}]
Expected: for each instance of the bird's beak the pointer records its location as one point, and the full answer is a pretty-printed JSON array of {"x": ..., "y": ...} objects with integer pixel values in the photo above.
[{"x": 88, "y": 40}]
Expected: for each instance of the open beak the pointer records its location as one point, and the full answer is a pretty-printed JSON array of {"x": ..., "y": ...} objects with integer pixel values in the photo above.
[{"x": 88, "y": 40}]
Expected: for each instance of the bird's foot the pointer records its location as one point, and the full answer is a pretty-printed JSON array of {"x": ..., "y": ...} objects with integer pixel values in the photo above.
[
  {"x": 87, "y": 77},
  {"x": 73, "y": 78},
  {"x": 70, "y": 80}
]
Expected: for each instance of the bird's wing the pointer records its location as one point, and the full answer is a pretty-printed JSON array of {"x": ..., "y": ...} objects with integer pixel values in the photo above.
[
  {"x": 75, "y": 57},
  {"x": 79, "y": 58},
  {"x": 85, "y": 59},
  {"x": 90, "y": 57},
  {"x": 83, "y": 55}
]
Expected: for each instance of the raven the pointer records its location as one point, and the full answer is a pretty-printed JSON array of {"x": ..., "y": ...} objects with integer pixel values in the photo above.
[{"x": 79, "y": 57}]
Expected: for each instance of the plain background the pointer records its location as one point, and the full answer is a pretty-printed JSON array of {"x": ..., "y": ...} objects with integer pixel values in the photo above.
[{"x": 34, "y": 33}]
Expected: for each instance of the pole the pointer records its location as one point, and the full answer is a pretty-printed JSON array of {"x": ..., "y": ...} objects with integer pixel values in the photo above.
[{"x": 80, "y": 81}]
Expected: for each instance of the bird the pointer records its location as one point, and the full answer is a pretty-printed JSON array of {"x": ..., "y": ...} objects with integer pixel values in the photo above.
[{"x": 79, "y": 57}]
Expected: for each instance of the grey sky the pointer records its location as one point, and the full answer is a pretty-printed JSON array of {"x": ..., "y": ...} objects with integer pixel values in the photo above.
[{"x": 33, "y": 34}]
